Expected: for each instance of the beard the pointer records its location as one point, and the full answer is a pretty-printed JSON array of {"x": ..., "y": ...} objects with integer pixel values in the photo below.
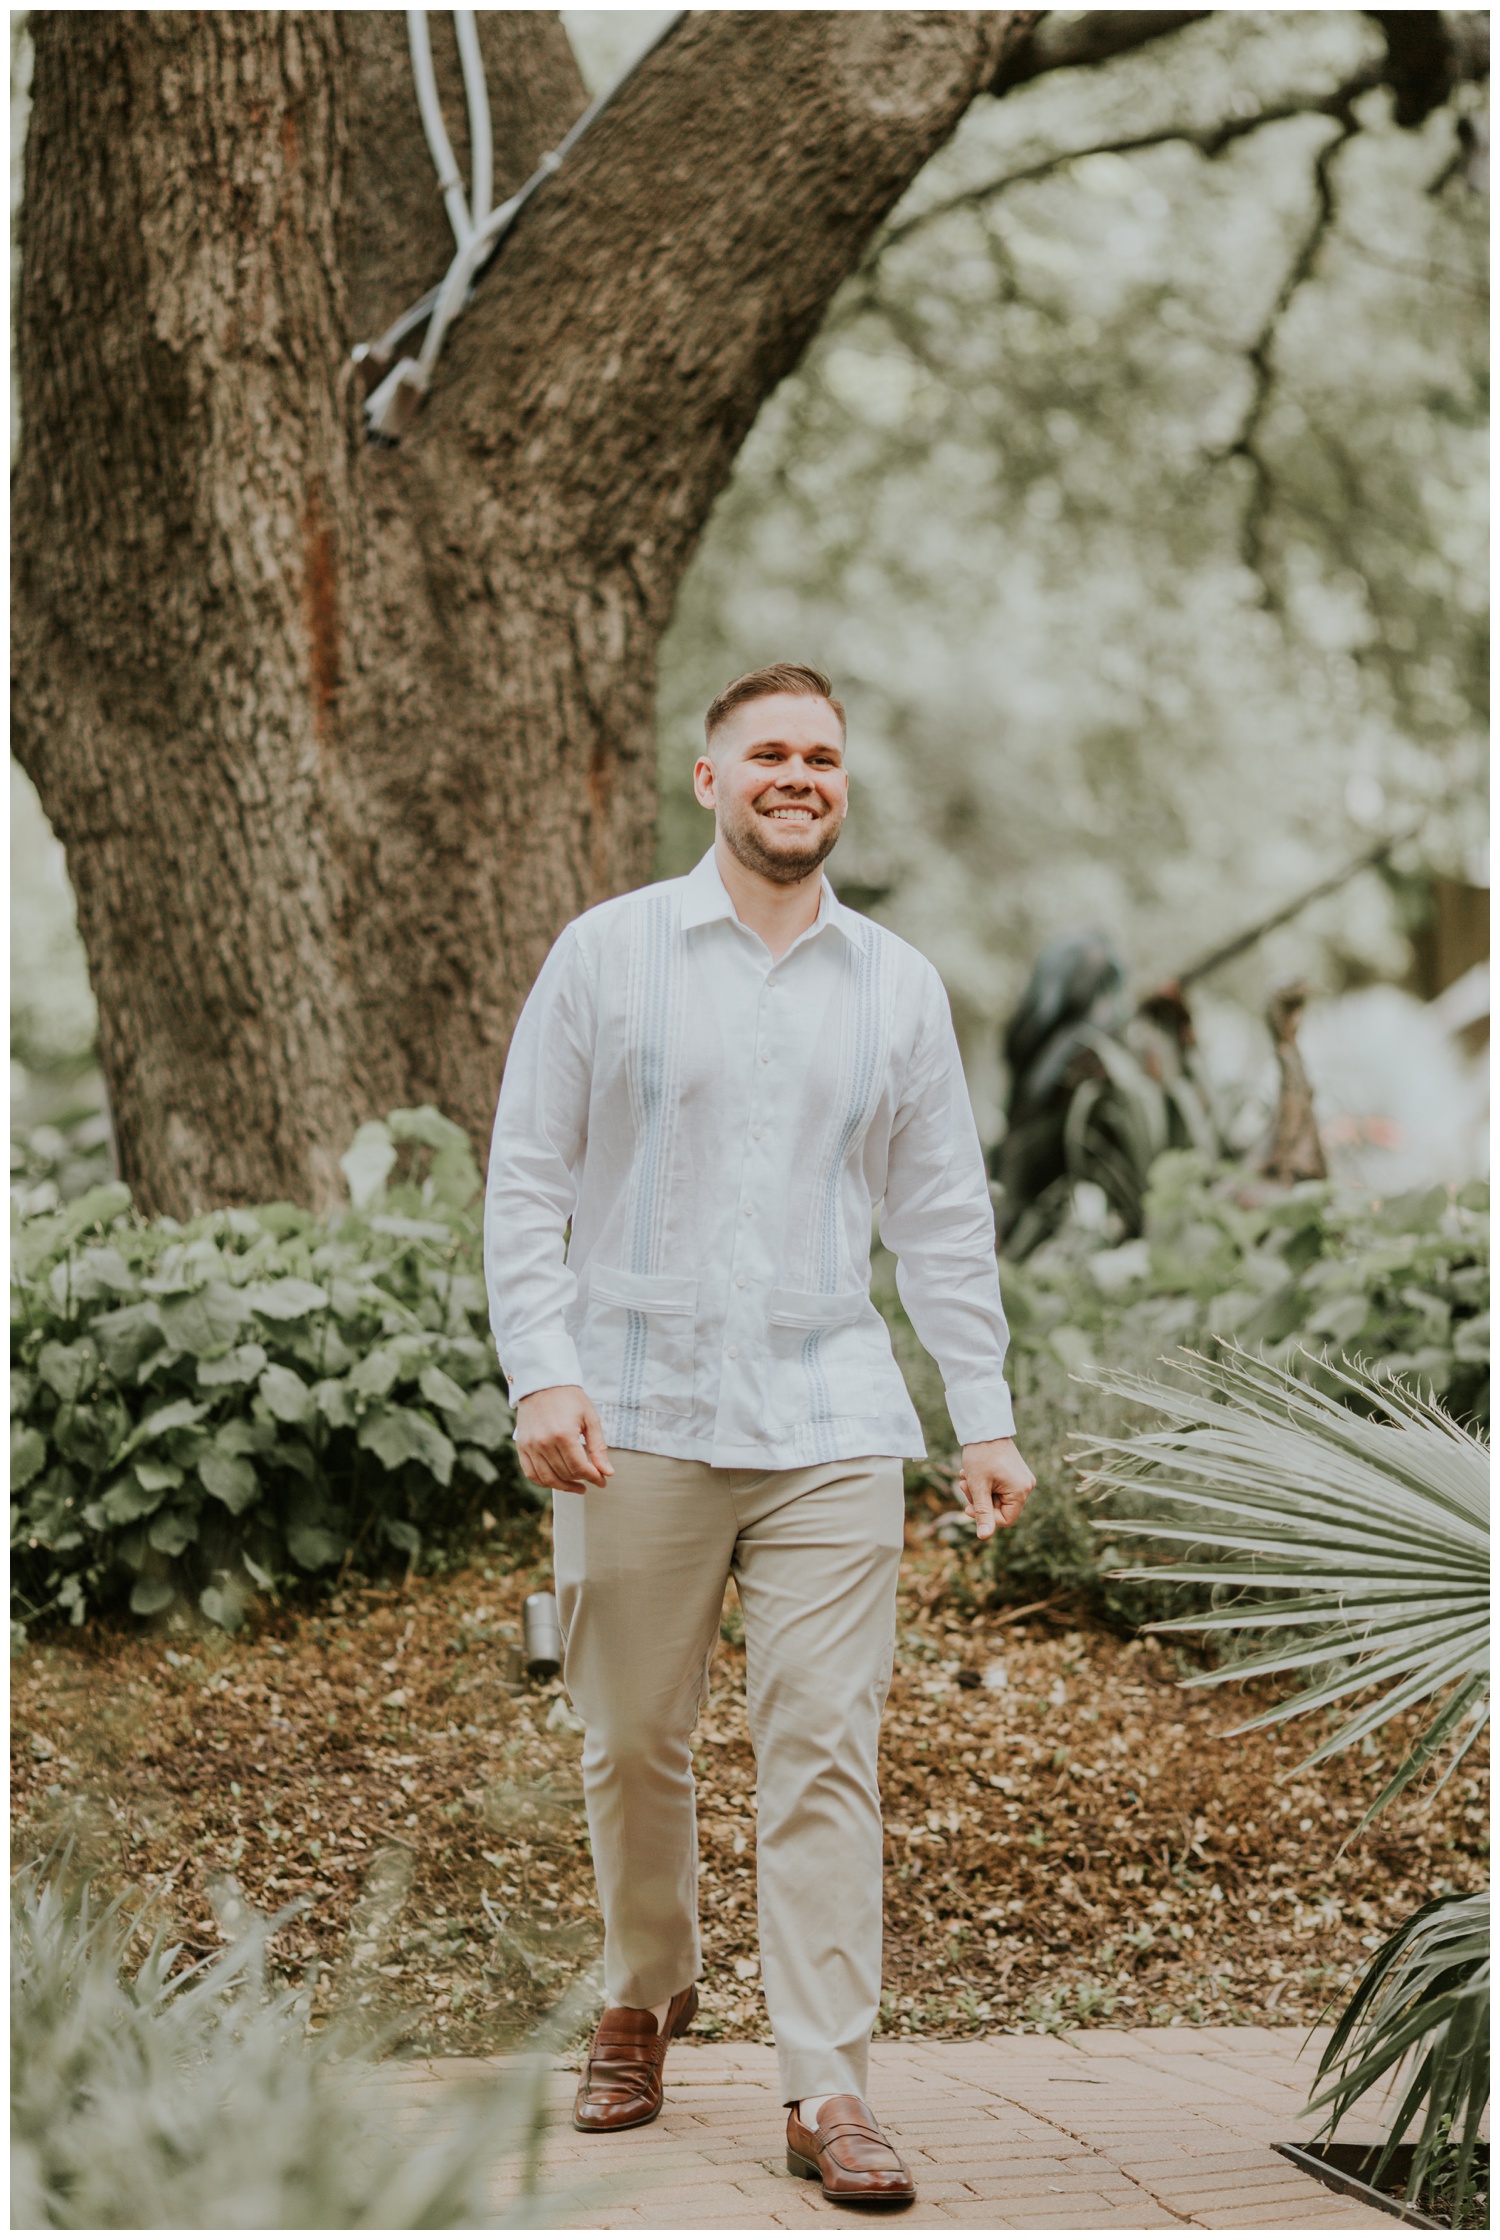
[{"x": 785, "y": 865}]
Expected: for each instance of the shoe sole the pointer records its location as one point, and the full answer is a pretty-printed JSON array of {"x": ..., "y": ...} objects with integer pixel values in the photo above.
[
  {"x": 637, "y": 2123},
  {"x": 798, "y": 2166}
]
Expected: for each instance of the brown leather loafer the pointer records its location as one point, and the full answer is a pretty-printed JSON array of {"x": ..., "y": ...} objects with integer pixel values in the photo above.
[
  {"x": 851, "y": 2155},
  {"x": 622, "y": 2074}
]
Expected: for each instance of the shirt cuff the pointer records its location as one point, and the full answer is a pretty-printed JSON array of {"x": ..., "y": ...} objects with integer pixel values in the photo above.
[
  {"x": 980, "y": 1409},
  {"x": 536, "y": 1363}
]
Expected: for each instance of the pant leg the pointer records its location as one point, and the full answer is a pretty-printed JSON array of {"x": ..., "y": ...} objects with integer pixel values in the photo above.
[
  {"x": 816, "y": 1563},
  {"x": 640, "y": 1567}
]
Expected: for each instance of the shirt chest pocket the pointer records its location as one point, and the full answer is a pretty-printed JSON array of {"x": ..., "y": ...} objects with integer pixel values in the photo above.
[{"x": 636, "y": 1343}]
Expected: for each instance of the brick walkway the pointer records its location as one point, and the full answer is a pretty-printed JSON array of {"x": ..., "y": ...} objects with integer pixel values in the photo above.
[{"x": 1131, "y": 2129}]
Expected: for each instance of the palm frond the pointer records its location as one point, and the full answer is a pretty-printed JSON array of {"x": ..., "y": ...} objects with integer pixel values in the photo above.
[
  {"x": 1424, "y": 2000},
  {"x": 1368, "y": 1532}
]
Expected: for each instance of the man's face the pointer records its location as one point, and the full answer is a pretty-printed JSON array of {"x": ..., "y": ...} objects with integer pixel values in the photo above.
[{"x": 775, "y": 780}]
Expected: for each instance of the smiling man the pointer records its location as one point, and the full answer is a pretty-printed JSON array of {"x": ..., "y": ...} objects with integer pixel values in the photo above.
[{"x": 715, "y": 1082}]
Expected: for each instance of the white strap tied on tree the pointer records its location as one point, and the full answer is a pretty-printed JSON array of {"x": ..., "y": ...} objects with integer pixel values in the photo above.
[{"x": 478, "y": 230}]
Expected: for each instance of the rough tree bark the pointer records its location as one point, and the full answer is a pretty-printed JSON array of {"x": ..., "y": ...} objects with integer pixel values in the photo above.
[{"x": 337, "y": 739}]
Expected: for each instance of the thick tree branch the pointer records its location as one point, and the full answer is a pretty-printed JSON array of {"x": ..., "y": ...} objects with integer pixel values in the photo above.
[
  {"x": 1260, "y": 355},
  {"x": 619, "y": 348},
  {"x": 1429, "y": 52},
  {"x": 1211, "y": 141},
  {"x": 1060, "y": 40}
]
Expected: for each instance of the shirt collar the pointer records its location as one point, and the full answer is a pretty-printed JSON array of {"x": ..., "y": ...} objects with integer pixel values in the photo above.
[{"x": 706, "y": 898}]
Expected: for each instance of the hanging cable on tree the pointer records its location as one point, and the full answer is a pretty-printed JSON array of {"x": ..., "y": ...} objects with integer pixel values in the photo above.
[{"x": 395, "y": 386}]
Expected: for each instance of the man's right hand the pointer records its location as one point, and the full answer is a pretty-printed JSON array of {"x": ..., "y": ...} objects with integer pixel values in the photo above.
[{"x": 561, "y": 1440}]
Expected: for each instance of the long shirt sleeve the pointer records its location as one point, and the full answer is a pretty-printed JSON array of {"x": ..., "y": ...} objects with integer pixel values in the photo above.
[
  {"x": 938, "y": 1219},
  {"x": 531, "y": 1190}
]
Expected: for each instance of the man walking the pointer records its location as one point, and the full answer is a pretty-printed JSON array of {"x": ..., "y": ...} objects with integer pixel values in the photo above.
[{"x": 715, "y": 1081}]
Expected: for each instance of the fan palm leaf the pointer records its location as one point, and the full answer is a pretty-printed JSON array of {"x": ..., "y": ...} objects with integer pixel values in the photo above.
[
  {"x": 1362, "y": 1541},
  {"x": 1364, "y": 1538}
]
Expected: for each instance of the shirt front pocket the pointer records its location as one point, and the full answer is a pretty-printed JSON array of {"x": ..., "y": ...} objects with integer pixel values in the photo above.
[
  {"x": 821, "y": 1355},
  {"x": 636, "y": 1343}
]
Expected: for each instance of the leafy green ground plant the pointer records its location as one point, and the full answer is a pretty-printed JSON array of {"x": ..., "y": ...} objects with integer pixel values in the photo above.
[
  {"x": 261, "y": 1394},
  {"x": 158, "y": 2097},
  {"x": 1355, "y": 1542}
]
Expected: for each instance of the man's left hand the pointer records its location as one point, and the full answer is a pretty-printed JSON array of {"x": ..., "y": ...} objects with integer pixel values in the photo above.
[{"x": 995, "y": 1483}]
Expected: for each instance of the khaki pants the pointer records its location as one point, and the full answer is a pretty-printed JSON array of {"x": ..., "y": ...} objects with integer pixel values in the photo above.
[{"x": 641, "y": 1568}]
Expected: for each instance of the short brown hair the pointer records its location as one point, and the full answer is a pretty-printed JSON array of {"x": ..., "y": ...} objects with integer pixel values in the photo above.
[{"x": 759, "y": 684}]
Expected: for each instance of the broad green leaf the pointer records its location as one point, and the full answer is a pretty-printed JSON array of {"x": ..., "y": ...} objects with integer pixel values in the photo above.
[
  {"x": 222, "y": 1606},
  {"x": 335, "y": 1403},
  {"x": 467, "y": 1360},
  {"x": 150, "y": 1595},
  {"x": 239, "y": 1436},
  {"x": 175, "y": 1416},
  {"x": 127, "y": 1499},
  {"x": 296, "y": 1455},
  {"x": 402, "y": 1535},
  {"x": 172, "y": 1531},
  {"x": 98, "y": 1273},
  {"x": 1340, "y": 1320},
  {"x": 286, "y": 1300},
  {"x": 158, "y": 1476},
  {"x": 453, "y": 1178},
  {"x": 400, "y": 1435},
  {"x": 284, "y": 1393},
  {"x": 230, "y": 1478},
  {"x": 202, "y": 1322},
  {"x": 314, "y": 1546},
  {"x": 69, "y": 1370},
  {"x": 478, "y": 1465},
  {"x": 96, "y": 1209},
  {"x": 128, "y": 1337},
  {"x": 440, "y": 1389},
  {"x": 486, "y": 1420},
  {"x": 373, "y": 1377},
  {"x": 28, "y": 1454},
  {"x": 89, "y": 1434},
  {"x": 242, "y": 1365},
  {"x": 22, "y": 1388}
]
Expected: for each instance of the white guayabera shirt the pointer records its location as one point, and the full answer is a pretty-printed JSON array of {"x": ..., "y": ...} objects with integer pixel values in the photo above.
[{"x": 718, "y": 1129}]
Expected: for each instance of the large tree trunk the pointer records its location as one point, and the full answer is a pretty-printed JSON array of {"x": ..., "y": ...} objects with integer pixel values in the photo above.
[{"x": 337, "y": 739}]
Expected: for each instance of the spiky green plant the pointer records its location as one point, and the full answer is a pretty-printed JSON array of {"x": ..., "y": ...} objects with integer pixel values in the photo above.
[
  {"x": 1426, "y": 1993},
  {"x": 1359, "y": 1543},
  {"x": 161, "y": 2097}
]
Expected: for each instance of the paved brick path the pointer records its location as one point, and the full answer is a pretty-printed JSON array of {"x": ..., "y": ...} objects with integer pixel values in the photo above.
[{"x": 1132, "y": 2129}]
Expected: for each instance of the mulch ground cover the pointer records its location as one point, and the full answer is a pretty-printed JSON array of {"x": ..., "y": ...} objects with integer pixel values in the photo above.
[{"x": 1072, "y": 1836}]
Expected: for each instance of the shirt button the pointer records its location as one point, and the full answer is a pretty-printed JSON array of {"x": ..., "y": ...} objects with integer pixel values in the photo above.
[
  {"x": 749, "y": 1210},
  {"x": 734, "y": 1353},
  {"x": 739, "y": 1282},
  {"x": 755, "y": 1135},
  {"x": 765, "y": 1057}
]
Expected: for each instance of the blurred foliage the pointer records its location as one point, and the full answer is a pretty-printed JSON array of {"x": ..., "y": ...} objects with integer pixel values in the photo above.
[
  {"x": 160, "y": 2097},
  {"x": 1400, "y": 1285},
  {"x": 1150, "y": 609},
  {"x": 256, "y": 1395}
]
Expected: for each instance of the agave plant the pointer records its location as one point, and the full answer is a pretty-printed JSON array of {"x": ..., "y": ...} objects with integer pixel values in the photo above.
[{"x": 1359, "y": 1544}]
